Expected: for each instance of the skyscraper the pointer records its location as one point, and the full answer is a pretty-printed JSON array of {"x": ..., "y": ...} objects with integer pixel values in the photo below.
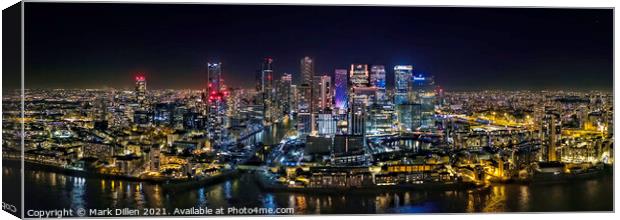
[
  {"x": 358, "y": 75},
  {"x": 264, "y": 75},
  {"x": 305, "y": 95},
  {"x": 402, "y": 77},
  {"x": 326, "y": 124},
  {"x": 284, "y": 94},
  {"x": 423, "y": 93},
  {"x": 357, "y": 117},
  {"x": 294, "y": 96},
  {"x": 305, "y": 88},
  {"x": 214, "y": 82},
  {"x": 306, "y": 70},
  {"x": 141, "y": 89},
  {"x": 216, "y": 102},
  {"x": 359, "y": 96},
  {"x": 377, "y": 80},
  {"x": 408, "y": 116},
  {"x": 341, "y": 90},
  {"x": 322, "y": 92},
  {"x": 266, "y": 89},
  {"x": 549, "y": 132}
]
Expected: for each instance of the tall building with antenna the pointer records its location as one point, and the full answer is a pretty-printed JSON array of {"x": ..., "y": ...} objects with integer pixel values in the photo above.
[
  {"x": 266, "y": 89},
  {"x": 216, "y": 102}
]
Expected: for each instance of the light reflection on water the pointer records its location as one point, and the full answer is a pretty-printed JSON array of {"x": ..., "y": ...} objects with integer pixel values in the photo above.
[
  {"x": 524, "y": 198},
  {"x": 80, "y": 192}
]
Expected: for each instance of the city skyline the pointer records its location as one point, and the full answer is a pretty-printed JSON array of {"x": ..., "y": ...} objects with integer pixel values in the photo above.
[{"x": 518, "y": 49}]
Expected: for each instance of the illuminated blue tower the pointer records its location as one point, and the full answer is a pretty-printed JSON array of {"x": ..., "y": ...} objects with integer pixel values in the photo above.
[
  {"x": 402, "y": 77},
  {"x": 341, "y": 97}
]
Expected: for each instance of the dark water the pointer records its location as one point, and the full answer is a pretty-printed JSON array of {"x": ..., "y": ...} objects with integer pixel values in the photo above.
[{"x": 48, "y": 190}]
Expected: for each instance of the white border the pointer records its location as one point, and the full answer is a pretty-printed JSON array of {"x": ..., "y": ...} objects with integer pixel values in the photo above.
[{"x": 466, "y": 3}]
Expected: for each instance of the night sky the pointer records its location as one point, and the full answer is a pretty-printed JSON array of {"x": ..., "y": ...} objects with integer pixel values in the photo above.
[{"x": 104, "y": 45}]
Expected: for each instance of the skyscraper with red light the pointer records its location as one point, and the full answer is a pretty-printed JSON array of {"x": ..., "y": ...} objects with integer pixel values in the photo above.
[
  {"x": 266, "y": 89},
  {"x": 214, "y": 80},
  {"x": 140, "y": 89},
  {"x": 216, "y": 102}
]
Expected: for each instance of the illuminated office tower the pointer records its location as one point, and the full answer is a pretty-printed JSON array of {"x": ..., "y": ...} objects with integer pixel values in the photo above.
[
  {"x": 550, "y": 132},
  {"x": 141, "y": 90},
  {"x": 214, "y": 76},
  {"x": 381, "y": 119},
  {"x": 164, "y": 113},
  {"x": 402, "y": 78},
  {"x": 377, "y": 80},
  {"x": 408, "y": 116},
  {"x": 423, "y": 93},
  {"x": 305, "y": 88},
  {"x": 304, "y": 94},
  {"x": 359, "y": 98},
  {"x": 265, "y": 88},
  {"x": 358, "y": 75},
  {"x": 215, "y": 98},
  {"x": 322, "y": 93},
  {"x": 304, "y": 115},
  {"x": 307, "y": 70},
  {"x": 326, "y": 124},
  {"x": 304, "y": 122},
  {"x": 341, "y": 90},
  {"x": 359, "y": 90},
  {"x": 264, "y": 76},
  {"x": 233, "y": 102},
  {"x": 178, "y": 113},
  {"x": 552, "y": 154},
  {"x": 283, "y": 100},
  {"x": 327, "y": 93},
  {"x": 294, "y": 98},
  {"x": 357, "y": 117},
  {"x": 216, "y": 101}
]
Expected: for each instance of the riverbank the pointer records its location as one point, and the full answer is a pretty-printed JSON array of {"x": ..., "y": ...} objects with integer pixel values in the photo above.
[
  {"x": 180, "y": 186},
  {"x": 270, "y": 186},
  {"x": 168, "y": 184},
  {"x": 552, "y": 178},
  {"x": 549, "y": 178}
]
